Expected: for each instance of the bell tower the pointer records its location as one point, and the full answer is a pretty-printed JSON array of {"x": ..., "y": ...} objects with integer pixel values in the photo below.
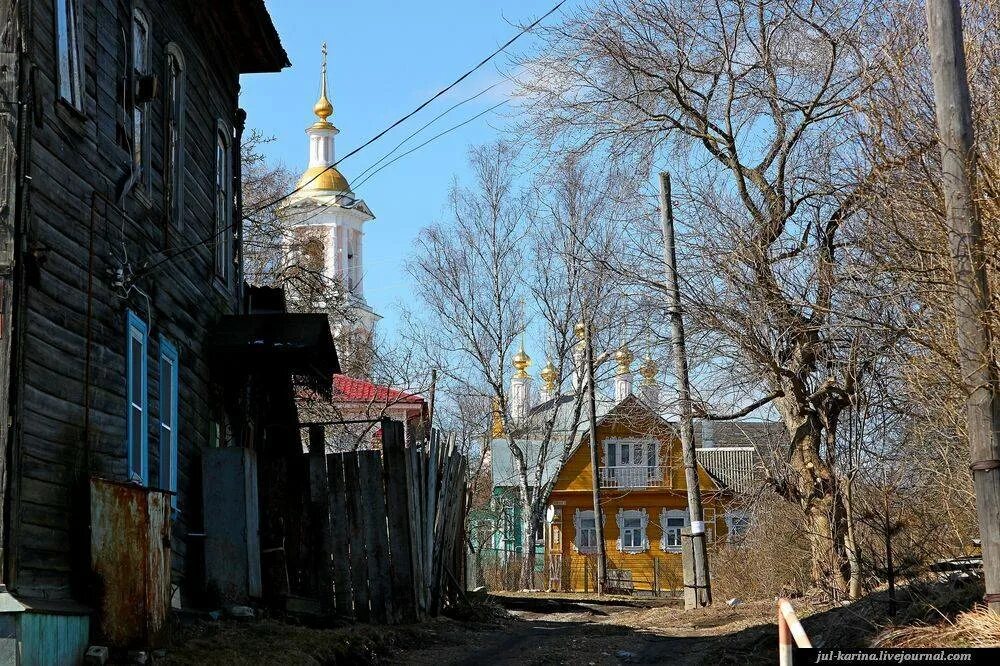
[{"x": 325, "y": 224}]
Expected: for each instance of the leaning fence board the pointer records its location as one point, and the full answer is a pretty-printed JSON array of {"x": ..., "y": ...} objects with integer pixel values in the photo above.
[
  {"x": 376, "y": 538},
  {"x": 396, "y": 500},
  {"x": 356, "y": 529},
  {"x": 319, "y": 500},
  {"x": 339, "y": 536}
]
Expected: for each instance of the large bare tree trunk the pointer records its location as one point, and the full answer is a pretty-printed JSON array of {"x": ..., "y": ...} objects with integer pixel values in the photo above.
[{"x": 813, "y": 485}]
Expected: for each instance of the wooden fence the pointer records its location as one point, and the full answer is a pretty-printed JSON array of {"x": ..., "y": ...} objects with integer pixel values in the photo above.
[{"x": 391, "y": 544}]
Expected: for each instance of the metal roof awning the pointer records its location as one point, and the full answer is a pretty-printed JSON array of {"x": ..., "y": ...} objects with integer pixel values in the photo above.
[{"x": 299, "y": 343}]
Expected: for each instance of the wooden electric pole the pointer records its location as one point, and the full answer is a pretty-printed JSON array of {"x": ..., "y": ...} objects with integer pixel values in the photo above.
[
  {"x": 602, "y": 555},
  {"x": 972, "y": 296},
  {"x": 703, "y": 591}
]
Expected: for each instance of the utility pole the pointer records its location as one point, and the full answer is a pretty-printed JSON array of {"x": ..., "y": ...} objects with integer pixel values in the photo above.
[
  {"x": 602, "y": 555},
  {"x": 972, "y": 295},
  {"x": 703, "y": 591}
]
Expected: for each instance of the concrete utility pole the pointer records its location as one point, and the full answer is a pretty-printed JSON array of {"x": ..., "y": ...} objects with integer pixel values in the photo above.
[
  {"x": 602, "y": 555},
  {"x": 972, "y": 294},
  {"x": 703, "y": 591}
]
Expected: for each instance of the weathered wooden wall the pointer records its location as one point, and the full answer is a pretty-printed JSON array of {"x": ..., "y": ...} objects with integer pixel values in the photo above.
[{"x": 76, "y": 162}]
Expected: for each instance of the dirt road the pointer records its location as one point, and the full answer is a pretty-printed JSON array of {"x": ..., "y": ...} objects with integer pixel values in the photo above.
[{"x": 560, "y": 631}]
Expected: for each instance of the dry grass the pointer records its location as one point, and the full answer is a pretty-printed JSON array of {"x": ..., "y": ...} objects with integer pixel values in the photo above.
[{"x": 974, "y": 629}]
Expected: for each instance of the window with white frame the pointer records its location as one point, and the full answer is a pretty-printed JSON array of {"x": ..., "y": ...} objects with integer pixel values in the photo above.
[
  {"x": 632, "y": 525},
  {"x": 173, "y": 168},
  {"x": 630, "y": 452},
  {"x": 69, "y": 74},
  {"x": 631, "y": 463},
  {"x": 168, "y": 418},
  {"x": 737, "y": 524},
  {"x": 140, "y": 110},
  {"x": 672, "y": 522},
  {"x": 223, "y": 207},
  {"x": 585, "y": 525},
  {"x": 137, "y": 418}
]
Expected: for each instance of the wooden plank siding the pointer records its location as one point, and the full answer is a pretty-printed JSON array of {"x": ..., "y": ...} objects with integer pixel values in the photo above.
[
  {"x": 572, "y": 492},
  {"x": 75, "y": 164}
]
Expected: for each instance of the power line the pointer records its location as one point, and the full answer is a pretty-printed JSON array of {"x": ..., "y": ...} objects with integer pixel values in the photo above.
[
  {"x": 433, "y": 138},
  {"x": 318, "y": 208},
  {"x": 367, "y": 143},
  {"x": 409, "y": 115},
  {"x": 425, "y": 126}
]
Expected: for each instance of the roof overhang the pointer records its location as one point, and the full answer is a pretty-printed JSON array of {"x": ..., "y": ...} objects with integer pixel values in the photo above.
[
  {"x": 298, "y": 343},
  {"x": 256, "y": 42}
]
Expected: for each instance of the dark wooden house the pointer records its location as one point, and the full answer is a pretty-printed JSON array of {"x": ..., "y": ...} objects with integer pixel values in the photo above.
[{"x": 120, "y": 211}]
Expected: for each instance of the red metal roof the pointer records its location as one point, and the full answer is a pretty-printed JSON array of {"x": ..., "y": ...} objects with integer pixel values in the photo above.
[{"x": 349, "y": 389}]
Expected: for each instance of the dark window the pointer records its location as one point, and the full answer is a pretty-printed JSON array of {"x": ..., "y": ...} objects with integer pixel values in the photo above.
[
  {"x": 68, "y": 51},
  {"x": 174, "y": 113}
]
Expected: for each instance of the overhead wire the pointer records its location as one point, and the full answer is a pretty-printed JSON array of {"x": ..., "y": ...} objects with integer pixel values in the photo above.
[{"x": 207, "y": 239}]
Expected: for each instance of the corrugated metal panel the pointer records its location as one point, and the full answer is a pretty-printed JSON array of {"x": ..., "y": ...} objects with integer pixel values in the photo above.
[{"x": 130, "y": 555}]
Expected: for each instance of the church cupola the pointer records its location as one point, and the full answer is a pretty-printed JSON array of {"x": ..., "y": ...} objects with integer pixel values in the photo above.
[
  {"x": 548, "y": 375},
  {"x": 623, "y": 376},
  {"x": 520, "y": 385},
  {"x": 650, "y": 388},
  {"x": 320, "y": 174}
]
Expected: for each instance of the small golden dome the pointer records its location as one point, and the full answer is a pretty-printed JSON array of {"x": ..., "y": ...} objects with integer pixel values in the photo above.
[
  {"x": 521, "y": 363},
  {"x": 323, "y": 178},
  {"x": 649, "y": 369},
  {"x": 549, "y": 376},
  {"x": 323, "y": 107},
  {"x": 624, "y": 358}
]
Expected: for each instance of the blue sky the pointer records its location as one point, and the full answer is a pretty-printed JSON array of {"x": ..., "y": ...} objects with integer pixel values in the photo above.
[{"x": 385, "y": 58}]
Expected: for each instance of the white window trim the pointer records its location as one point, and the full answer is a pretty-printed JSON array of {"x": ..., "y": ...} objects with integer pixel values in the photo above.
[
  {"x": 664, "y": 515},
  {"x": 578, "y": 517},
  {"x": 137, "y": 330},
  {"x": 69, "y": 11},
  {"x": 647, "y": 444},
  {"x": 168, "y": 449},
  {"x": 643, "y": 517}
]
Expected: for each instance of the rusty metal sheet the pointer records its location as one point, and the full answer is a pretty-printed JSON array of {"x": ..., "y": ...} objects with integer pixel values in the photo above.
[{"x": 130, "y": 558}]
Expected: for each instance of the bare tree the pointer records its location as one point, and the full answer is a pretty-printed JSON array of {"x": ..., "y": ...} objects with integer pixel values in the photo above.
[
  {"x": 754, "y": 100},
  {"x": 506, "y": 252}
]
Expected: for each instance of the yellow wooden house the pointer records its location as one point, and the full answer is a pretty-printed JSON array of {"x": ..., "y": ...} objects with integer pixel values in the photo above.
[{"x": 644, "y": 504}]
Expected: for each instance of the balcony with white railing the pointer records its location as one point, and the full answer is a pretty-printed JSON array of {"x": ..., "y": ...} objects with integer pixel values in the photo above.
[{"x": 633, "y": 476}]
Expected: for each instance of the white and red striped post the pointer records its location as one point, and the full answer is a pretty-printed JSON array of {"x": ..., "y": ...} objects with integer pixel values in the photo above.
[{"x": 789, "y": 628}]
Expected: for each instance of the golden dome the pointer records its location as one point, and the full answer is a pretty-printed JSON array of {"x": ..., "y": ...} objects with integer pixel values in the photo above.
[
  {"x": 521, "y": 363},
  {"x": 549, "y": 376},
  {"x": 324, "y": 179},
  {"x": 649, "y": 369},
  {"x": 624, "y": 358}
]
